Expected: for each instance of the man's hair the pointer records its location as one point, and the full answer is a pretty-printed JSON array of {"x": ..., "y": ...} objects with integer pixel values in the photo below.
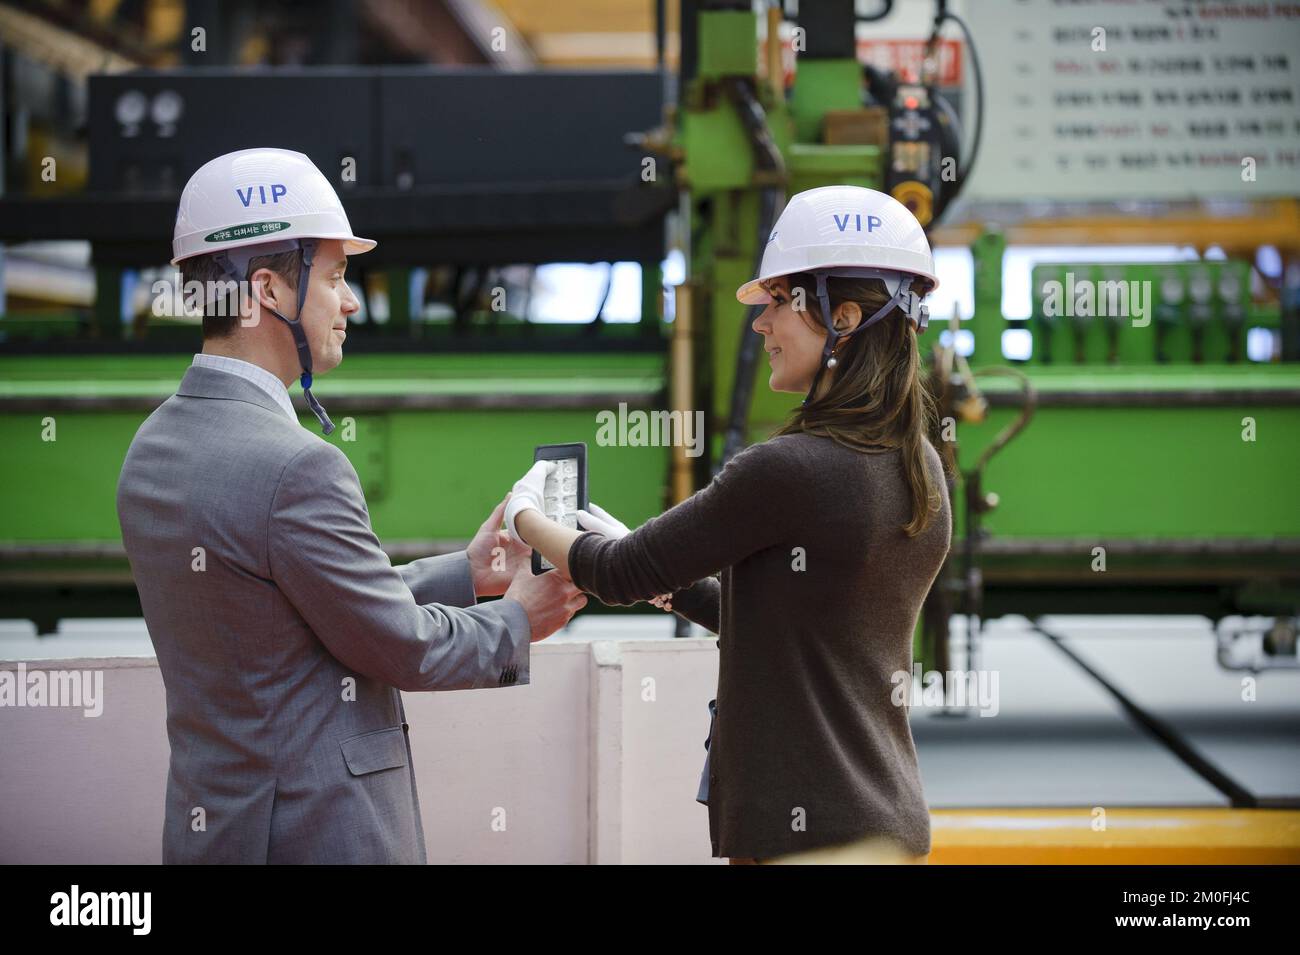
[{"x": 204, "y": 269}]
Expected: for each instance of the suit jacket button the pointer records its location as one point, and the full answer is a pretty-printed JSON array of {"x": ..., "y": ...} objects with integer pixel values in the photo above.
[{"x": 406, "y": 727}]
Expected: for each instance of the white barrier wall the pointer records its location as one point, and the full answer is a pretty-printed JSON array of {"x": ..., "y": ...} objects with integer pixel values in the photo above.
[{"x": 597, "y": 760}]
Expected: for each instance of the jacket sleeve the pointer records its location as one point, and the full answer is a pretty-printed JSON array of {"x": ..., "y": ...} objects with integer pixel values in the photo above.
[
  {"x": 443, "y": 579},
  {"x": 326, "y": 560},
  {"x": 753, "y": 503}
]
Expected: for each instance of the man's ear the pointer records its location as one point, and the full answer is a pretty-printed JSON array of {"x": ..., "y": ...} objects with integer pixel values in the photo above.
[
  {"x": 267, "y": 289},
  {"x": 847, "y": 316}
]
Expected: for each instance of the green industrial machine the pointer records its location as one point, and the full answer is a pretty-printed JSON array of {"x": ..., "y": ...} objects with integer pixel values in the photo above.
[
  {"x": 435, "y": 439},
  {"x": 1158, "y": 473},
  {"x": 1126, "y": 463},
  {"x": 446, "y": 386},
  {"x": 1146, "y": 466}
]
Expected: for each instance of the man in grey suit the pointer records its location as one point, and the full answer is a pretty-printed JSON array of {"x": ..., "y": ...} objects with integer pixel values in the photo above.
[{"x": 282, "y": 630}]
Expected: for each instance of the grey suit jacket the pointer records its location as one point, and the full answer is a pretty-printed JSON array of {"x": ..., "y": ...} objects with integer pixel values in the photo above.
[{"x": 284, "y": 634}]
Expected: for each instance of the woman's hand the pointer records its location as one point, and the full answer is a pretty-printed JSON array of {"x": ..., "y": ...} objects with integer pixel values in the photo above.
[
  {"x": 527, "y": 493},
  {"x": 601, "y": 521},
  {"x": 597, "y": 519}
]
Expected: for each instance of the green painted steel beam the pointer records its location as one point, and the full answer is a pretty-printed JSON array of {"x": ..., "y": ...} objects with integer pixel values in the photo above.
[
  {"x": 716, "y": 148},
  {"x": 428, "y": 474},
  {"x": 821, "y": 86},
  {"x": 1141, "y": 472},
  {"x": 362, "y": 374},
  {"x": 727, "y": 44}
]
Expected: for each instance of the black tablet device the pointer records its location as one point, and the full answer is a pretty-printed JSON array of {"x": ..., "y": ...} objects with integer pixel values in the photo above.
[{"x": 566, "y": 489}]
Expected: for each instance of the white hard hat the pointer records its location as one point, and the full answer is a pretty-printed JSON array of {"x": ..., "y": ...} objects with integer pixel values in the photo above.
[
  {"x": 256, "y": 196},
  {"x": 837, "y": 227}
]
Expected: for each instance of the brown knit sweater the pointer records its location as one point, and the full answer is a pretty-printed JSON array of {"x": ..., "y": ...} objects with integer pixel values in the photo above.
[{"x": 819, "y": 596}]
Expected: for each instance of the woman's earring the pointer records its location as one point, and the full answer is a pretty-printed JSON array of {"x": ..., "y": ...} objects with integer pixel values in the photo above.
[{"x": 833, "y": 361}]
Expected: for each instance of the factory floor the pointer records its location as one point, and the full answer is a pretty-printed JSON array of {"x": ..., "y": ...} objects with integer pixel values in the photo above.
[{"x": 1206, "y": 770}]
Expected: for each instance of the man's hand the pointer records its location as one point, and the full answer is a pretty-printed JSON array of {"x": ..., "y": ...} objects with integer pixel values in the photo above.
[
  {"x": 549, "y": 600},
  {"x": 494, "y": 556}
]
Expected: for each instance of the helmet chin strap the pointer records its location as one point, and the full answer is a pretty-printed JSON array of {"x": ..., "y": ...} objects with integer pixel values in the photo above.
[
  {"x": 238, "y": 271},
  {"x": 901, "y": 295}
]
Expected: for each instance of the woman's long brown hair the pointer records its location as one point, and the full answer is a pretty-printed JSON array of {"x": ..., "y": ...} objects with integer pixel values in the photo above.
[{"x": 877, "y": 398}]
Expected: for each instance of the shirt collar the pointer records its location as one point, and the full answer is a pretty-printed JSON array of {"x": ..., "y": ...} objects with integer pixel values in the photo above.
[{"x": 258, "y": 375}]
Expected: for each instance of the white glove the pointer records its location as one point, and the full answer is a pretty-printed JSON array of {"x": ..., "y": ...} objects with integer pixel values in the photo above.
[
  {"x": 601, "y": 521},
  {"x": 527, "y": 493}
]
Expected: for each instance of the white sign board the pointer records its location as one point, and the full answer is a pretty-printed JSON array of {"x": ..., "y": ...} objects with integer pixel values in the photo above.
[{"x": 1151, "y": 99}]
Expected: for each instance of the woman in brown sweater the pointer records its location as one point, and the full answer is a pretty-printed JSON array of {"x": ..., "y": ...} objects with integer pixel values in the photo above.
[{"x": 827, "y": 538}]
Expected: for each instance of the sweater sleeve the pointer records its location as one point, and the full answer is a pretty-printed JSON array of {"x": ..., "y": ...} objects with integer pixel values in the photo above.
[
  {"x": 750, "y": 505},
  {"x": 701, "y": 603}
]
